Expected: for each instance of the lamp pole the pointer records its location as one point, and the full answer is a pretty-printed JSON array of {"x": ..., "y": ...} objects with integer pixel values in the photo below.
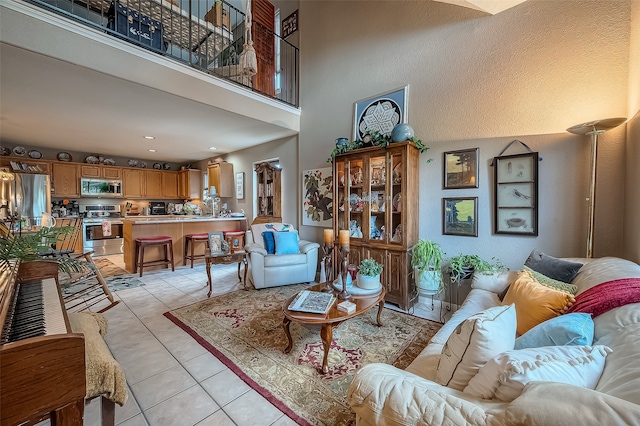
[{"x": 593, "y": 129}]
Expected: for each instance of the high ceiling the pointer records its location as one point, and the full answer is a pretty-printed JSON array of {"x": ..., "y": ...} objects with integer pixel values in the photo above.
[{"x": 52, "y": 101}]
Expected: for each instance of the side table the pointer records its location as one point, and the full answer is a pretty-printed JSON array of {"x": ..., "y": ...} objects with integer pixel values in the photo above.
[{"x": 225, "y": 259}]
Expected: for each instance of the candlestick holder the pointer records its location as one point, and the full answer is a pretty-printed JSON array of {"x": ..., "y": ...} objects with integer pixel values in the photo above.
[
  {"x": 327, "y": 248},
  {"x": 344, "y": 272}
]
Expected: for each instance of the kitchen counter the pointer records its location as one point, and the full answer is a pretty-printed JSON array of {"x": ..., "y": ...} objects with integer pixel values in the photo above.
[{"x": 176, "y": 227}]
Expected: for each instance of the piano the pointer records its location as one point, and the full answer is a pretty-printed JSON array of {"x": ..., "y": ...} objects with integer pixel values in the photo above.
[{"x": 42, "y": 362}]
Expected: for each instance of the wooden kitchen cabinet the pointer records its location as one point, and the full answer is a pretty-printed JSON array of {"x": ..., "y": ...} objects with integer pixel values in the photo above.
[
  {"x": 26, "y": 165},
  {"x": 269, "y": 194},
  {"x": 101, "y": 172},
  {"x": 377, "y": 201},
  {"x": 170, "y": 185},
  {"x": 65, "y": 180},
  {"x": 189, "y": 186},
  {"x": 153, "y": 184},
  {"x": 220, "y": 175},
  {"x": 133, "y": 183}
]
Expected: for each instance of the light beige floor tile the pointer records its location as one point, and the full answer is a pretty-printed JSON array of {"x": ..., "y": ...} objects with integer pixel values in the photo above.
[
  {"x": 156, "y": 389},
  {"x": 184, "y": 350},
  {"x": 219, "y": 418},
  {"x": 251, "y": 409},
  {"x": 150, "y": 365},
  {"x": 135, "y": 421},
  {"x": 129, "y": 410},
  {"x": 136, "y": 350},
  {"x": 92, "y": 413},
  {"x": 284, "y": 421},
  {"x": 225, "y": 386},
  {"x": 186, "y": 408},
  {"x": 204, "y": 366}
]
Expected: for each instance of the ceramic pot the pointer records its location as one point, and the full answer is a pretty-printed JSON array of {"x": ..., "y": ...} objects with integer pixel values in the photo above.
[
  {"x": 401, "y": 132},
  {"x": 341, "y": 141},
  {"x": 368, "y": 283},
  {"x": 428, "y": 281}
]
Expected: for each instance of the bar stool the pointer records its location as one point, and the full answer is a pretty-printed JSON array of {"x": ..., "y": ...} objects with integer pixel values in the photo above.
[
  {"x": 193, "y": 239},
  {"x": 235, "y": 239},
  {"x": 141, "y": 243}
]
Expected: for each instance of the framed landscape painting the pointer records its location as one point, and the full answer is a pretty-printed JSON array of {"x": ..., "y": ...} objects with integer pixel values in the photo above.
[
  {"x": 380, "y": 113},
  {"x": 460, "y": 216},
  {"x": 317, "y": 207}
]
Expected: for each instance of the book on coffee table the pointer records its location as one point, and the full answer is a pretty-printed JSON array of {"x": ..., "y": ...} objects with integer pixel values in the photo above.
[{"x": 314, "y": 302}]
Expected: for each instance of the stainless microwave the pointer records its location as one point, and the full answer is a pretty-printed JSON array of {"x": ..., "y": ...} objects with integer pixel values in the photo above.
[{"x": 100, "y": 187}]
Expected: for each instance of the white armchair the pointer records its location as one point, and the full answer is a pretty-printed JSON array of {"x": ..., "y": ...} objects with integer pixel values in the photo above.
[{"x": 271, "y": 270}]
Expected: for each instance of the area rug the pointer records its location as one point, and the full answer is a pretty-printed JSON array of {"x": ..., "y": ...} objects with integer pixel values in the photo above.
[
  {"x": 117, "y": 283},
  {"x": 108, "y": 268},
  {"x": 244, "y": 330}
]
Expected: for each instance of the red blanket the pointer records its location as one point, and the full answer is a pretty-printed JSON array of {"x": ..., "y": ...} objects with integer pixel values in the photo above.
[{"x": 606, "y": 296}]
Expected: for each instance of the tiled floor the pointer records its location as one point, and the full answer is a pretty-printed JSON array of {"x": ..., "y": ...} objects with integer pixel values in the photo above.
[{"x": 172, "y": 379}]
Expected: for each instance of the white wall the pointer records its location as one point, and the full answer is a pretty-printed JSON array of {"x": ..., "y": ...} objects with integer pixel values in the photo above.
[{"x": 478, "y": 80}]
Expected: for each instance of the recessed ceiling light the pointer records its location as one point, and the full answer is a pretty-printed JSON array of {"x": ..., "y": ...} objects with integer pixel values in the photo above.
[
  {"x": 149, "y": 137},
  {"x": 213, "y": 148},
  {"x": 152, "y": 150}
]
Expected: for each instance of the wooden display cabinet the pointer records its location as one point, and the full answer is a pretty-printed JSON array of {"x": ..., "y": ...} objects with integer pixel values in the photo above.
[
  {"x": 377, "y": 193},
  {"x": 269, "y": 194}
]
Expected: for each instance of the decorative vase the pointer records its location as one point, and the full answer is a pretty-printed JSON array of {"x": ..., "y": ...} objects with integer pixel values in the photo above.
[
  {"x": 341, "y": 141},
  {"x": 368, "y": 283},
  {"x": 401, "y": 132}
]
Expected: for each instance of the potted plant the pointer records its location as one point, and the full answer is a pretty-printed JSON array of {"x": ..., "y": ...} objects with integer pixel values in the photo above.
[
  {"x": 463, "y": 266},
  {"x": 426, "y": 260},
  {"x": 369, "y": 274}
]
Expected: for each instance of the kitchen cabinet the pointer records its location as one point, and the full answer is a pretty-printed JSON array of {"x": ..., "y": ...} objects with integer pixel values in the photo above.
[
  {"x": 220, "y": 175},
  {"x": 153, "y": 184},
  {"x": 170, "y": 185},
  {"x": 189, "y": 186},
  {"x": 269, "y": 194},
  {"x": 102, "y": 172},
  {"x": 132, "y": 183},
  {"x": 65, "y": 180},
  {"x": 26, "y": 165},
  {"x": 378, "y": 195}
]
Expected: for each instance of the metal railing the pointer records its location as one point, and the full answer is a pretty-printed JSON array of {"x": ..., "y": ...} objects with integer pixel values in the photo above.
[{"x": 208, "y": 35}]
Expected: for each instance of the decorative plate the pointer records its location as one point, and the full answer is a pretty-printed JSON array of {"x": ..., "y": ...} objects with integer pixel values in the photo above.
[
  {"x": 166, "y": 166},
  {"x": 397, "y": 203},
  {"x": 91, "y": 160},
  {"x": 142, "y": 165},
  {"x": 5, "y": 151},
  {"x": 35, "y": 154},
  {"x": 157, "y": 166},
  {"x": 19, "y": 151},
  {"x": 63, "y": 156},
  {"x": 109, "y": 162},
  {"x": 132, "y": 163}
]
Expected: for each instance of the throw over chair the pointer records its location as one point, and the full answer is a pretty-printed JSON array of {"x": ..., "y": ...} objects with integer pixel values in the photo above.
[{"x": 278, "y": 257}]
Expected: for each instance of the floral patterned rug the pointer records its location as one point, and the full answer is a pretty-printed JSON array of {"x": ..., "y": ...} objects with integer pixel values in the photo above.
[{"x": 244, "y": 330}]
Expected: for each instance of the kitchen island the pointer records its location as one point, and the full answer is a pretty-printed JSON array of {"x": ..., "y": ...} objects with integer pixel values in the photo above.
[{"x": 176, "y": 227}]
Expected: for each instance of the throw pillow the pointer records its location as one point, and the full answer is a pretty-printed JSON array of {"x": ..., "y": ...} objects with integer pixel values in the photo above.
[
  {"x": 269, "y": 242},
  {"x": 495, "y": 283},
  {"x": 552, "y": 267},
  {"x": 569, "y": 288},
  {"x": 569, "y": 329},
  {"x": 504, "y": 376},
  {"x": 475, "y": 341},
  {"x": 287, "y": 242},
  {"x": 535, "y": 302}
]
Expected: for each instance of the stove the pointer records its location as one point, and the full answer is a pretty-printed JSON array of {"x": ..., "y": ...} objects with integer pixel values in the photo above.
[{"x": 102, "y": 230}]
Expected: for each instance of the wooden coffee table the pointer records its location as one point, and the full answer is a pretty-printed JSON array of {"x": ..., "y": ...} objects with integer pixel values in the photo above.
[
  {"x": 331, "y": 319},
  {"x": 227, "y": 258}
]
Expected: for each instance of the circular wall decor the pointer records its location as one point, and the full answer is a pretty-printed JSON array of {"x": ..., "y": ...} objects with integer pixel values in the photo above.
[{"x": 380, "y": 116}]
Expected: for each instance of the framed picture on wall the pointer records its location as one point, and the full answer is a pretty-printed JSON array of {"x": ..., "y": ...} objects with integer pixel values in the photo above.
[
  {"x": 460, "y": 169},
  {"x": 460, "y": 216},
  {"x": 317, "y": 197},
  {"x": 516, "y": 194},
  {"x": 240, "y": 185},
  {"x": 380, "y": 113},
  {"x": 289, "y": 25}
]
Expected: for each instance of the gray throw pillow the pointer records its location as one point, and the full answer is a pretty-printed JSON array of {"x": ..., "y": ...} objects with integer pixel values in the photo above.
[{"x": 552, "y": 267}]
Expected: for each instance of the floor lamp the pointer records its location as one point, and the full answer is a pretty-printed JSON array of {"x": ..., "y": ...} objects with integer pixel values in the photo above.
[{"x": 594, "y": 128}]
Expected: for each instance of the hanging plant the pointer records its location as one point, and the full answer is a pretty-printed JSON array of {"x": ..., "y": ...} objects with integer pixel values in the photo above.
[{"x": 341, "y": 149}]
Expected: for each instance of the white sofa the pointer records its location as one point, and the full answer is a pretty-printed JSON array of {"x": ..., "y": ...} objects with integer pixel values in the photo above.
[
  {"x": 271, "y": 270},
  {"x": 381, "y": 394}
]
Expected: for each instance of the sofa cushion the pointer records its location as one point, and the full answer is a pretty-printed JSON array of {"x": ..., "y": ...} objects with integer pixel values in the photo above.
[
  {"x": 552, "y": 267},
  {"x": 285, "y": 260},
  {"x": 621, "y": 375},
  {"x": 569, "y": 329},
  {"x": 545, "y": 404},
  {"x": 535, "y": 302},
  {"x": 606, "y": 296},
  {"x": 541, "y": 278},
  {"x": 504, "y": 376},
  {"x": 603, "y": 269},
  {"x": 269, "y": 241},
  {"x": 286, "y": 242},
  {"x": 494, "y": 283},
  {"x": 478, "y": 339}
]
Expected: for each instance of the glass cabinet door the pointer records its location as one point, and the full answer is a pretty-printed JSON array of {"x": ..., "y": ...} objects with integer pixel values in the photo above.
[
  {"x": 376, "y": 199},
  {"x": 350, "y": 196},
  {"x": 396, "y": 201}
]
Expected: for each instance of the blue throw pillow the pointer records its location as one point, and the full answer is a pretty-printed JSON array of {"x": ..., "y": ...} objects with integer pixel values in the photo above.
[
  {"x": 269, "y": 242},
  {"x": 569, "y": 329},
  {"x": 287, "y": 242}
]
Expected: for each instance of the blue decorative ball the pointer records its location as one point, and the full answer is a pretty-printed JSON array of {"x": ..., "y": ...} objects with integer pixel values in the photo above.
[
  {"x": 341, "y": 141},
  {"x": 401, "y": 132}
]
